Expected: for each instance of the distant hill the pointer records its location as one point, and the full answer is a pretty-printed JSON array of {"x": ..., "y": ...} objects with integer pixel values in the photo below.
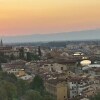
[{"x": 77, "y": 35}]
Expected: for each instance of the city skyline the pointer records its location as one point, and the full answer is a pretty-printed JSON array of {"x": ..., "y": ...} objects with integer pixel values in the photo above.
[{"x": 25, "y": 17}]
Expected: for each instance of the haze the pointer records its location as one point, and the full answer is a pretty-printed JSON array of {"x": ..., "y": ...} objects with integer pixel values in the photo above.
[{"x": 24, "y": 17}]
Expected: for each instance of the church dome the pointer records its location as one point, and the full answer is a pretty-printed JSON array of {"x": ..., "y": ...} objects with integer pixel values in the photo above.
[{"x": 85, "y": 62}]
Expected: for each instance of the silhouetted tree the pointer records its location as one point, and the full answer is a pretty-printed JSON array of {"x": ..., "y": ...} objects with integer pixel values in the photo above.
[
  {"x": 37, "y": 84},
  {"x": 39, "y": 51},
  {"x": 12, "y": 57},
  {"x": 21, "y": 53},
  {"x": 32, "y": 95}
]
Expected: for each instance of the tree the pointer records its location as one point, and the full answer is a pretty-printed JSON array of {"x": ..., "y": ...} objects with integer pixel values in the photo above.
[
  {"x": 35, "y": 57},
  {"x": 39, "y": 51},
  {"x": 12, "y": 57},
  {"x": 3, "y": 95},
  {"x": 3, "y": 59},
  {"x": 21, "y": 53},
  {"x": 48, "y": 97},
  {"x": 96, "y": 97},
  {"x": 22, "y": 87},
  {"x": 32, "y": 95},
  {"x": 31, "y": 56},
  {"x": 0, "y": 67},
  {"x": 8, "y": 77},
  {"x": 37, "y": 84},
  {"x": 9, "y": 90}
]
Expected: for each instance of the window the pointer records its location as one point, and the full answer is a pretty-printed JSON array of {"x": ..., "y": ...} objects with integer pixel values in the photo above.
[
  {"x": 81, "y": 83},
  {"x": 61, "y": 68},
  {"x": 73, "y": 96}
]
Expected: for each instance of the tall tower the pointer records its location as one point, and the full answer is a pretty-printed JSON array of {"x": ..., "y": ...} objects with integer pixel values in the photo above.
[
  {"x": 39, "y": 51},
  {"x": 1, "y": 43}
]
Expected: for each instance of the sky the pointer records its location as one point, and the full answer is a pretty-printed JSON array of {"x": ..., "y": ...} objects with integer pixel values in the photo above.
[{"x": 24, "y": 17}]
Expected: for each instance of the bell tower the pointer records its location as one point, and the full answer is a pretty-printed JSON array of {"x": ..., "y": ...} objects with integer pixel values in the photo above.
[{"x": 1, "y": 43}]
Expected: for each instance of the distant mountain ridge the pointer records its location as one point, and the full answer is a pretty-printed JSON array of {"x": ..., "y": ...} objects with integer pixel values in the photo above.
[{"x": 77, "y": 35}]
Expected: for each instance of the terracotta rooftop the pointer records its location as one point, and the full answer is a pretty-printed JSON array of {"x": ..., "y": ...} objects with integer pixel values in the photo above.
[
  {"x": 77, "y": 79},
  {"x": 56, "y": 81}
]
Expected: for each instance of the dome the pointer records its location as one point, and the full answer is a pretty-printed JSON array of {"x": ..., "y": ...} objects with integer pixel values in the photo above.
[
  {"x": 78, "y": 53},
  {"x": 85, "y": 62}
]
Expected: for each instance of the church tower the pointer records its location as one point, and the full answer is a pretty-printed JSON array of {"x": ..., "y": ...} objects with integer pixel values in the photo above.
[{"x": 1, "y": 43}]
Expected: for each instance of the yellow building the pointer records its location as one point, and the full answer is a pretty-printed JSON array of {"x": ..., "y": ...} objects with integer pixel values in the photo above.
[
  {"x": 21, "y": 72},
  {"x": 58, "y": 88}
]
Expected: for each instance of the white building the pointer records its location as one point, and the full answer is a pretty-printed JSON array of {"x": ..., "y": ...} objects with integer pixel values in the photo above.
[
  {"x": 91, "y": 66},
  {"x": 77, "y": 85},
  {"x": 26, "y": 77}
]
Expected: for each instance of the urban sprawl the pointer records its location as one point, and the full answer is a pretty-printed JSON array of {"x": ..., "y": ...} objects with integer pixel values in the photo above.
[{"x": 71, "y": 72}]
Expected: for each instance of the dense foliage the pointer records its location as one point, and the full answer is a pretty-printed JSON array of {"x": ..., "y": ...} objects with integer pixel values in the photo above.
[
  {"x": 12, "y": 88},
  {"x": 31, "y": 56},
  {"x": 96, "y": 97}
]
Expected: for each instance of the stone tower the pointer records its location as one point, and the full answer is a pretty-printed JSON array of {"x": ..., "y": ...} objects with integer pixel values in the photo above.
[{"x": 1, "y": 43}]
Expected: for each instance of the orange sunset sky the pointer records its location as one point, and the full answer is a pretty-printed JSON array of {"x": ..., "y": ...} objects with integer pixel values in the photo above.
[{"x": 21, "y": 17}]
